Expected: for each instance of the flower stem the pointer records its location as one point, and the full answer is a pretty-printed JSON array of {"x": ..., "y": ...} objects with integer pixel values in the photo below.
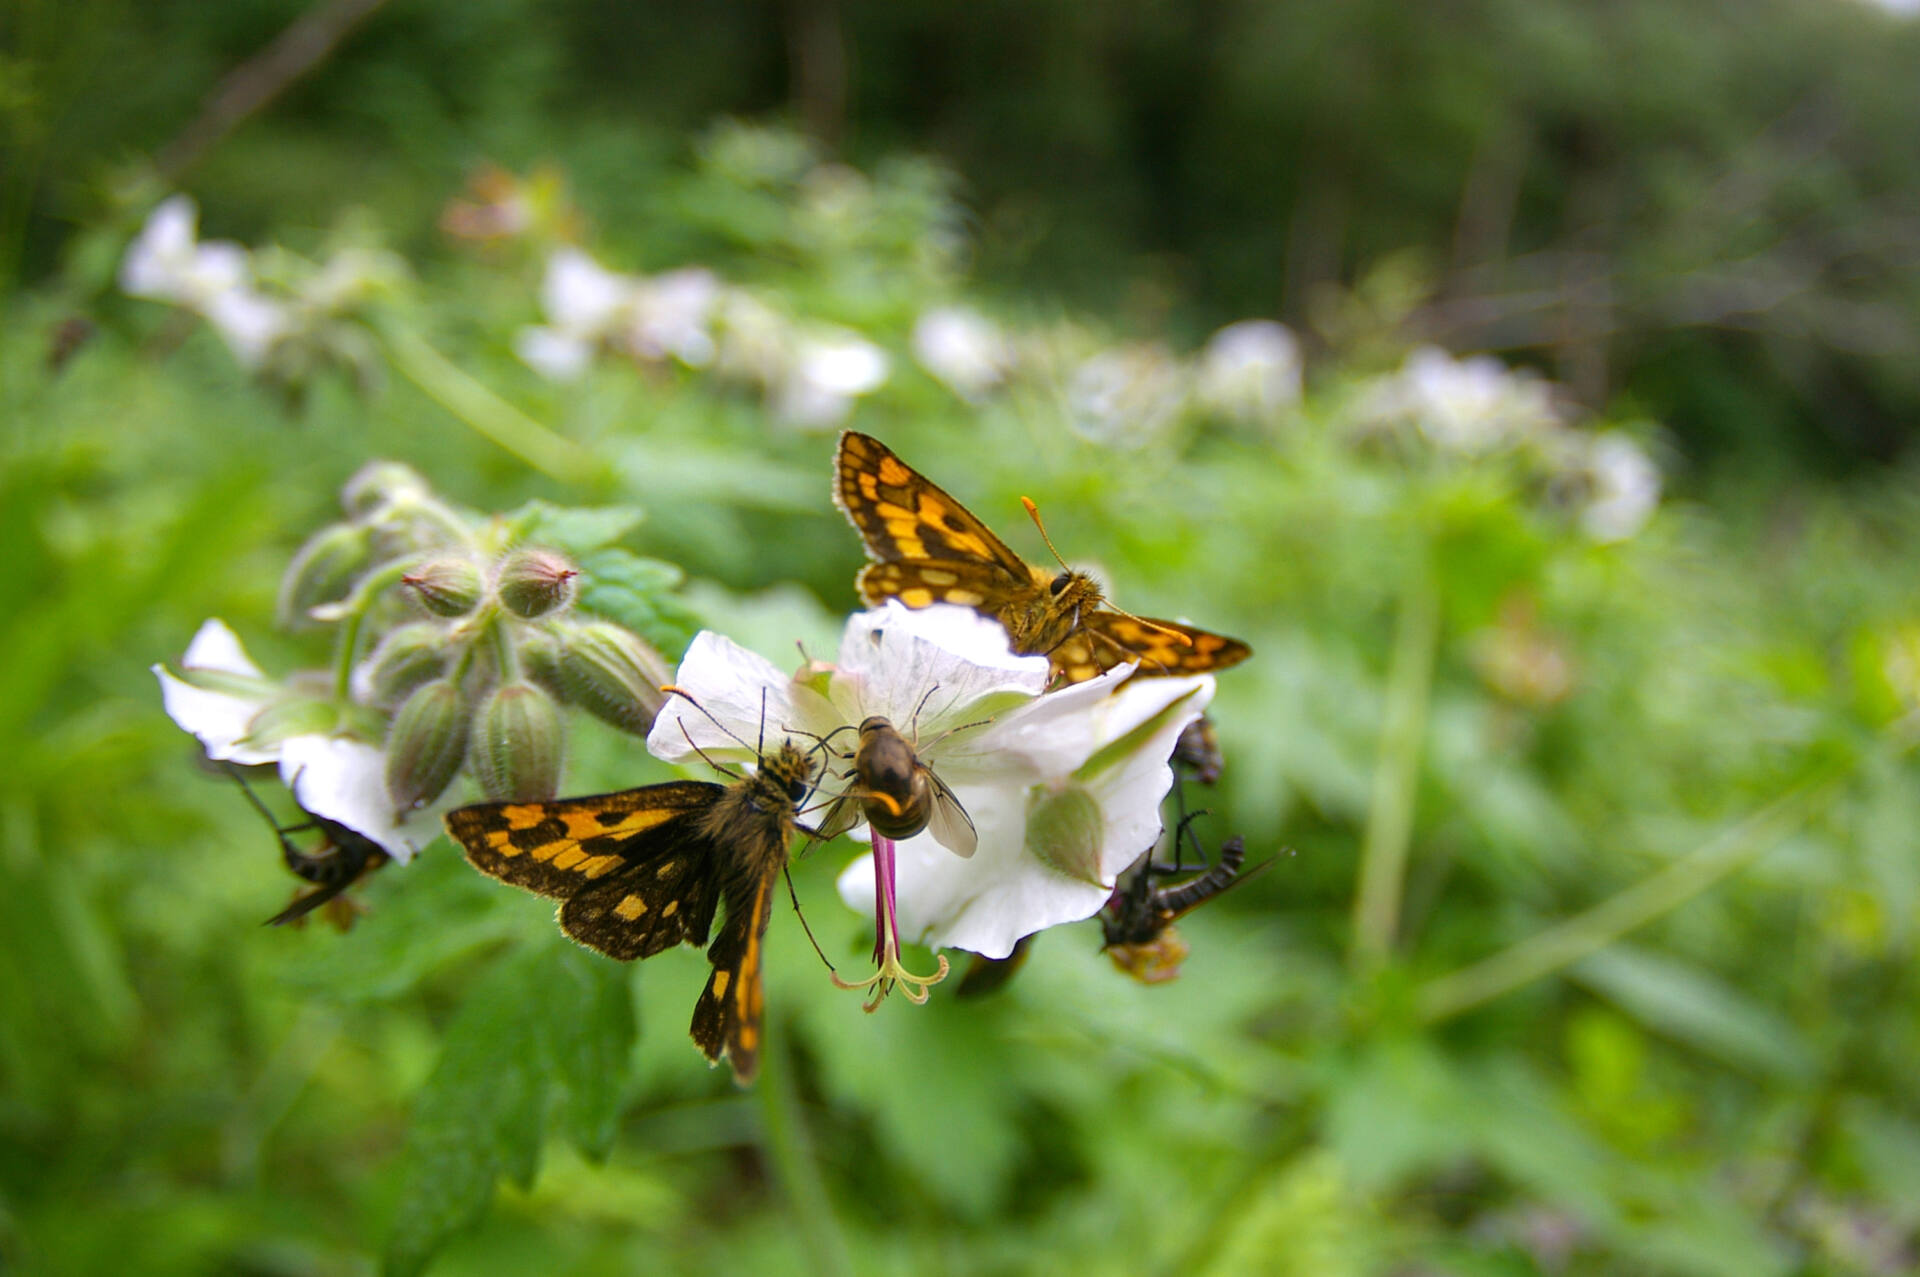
[
  {"x": 486, "y": 412},
  {"x": 1567, "y": 942},
  {"x": 790, "y": 1148},
  {"x": 1396, "y": 773}
]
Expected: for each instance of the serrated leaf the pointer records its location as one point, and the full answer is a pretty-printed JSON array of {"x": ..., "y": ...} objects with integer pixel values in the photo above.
[
  {"x": 1693, "y": 1006},
  {"x": 574, "y": 529},
  {"x": 546, "y": 1032},
  {"x": 636, "y": 592}
]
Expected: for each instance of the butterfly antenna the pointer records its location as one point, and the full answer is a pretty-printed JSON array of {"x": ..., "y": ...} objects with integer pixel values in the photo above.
[
  {"x": 706, "y": 758},
  {"x": 1033, "y": 512},
  {"x": 799, "y": 913},
  {"x": 671, "y": 690}
]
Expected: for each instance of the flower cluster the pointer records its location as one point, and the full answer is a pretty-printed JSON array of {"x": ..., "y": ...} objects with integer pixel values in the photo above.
[
  {"x": 280, "y": 316},
  {"x": 457, "y": 641},
  {"x": 809, "y": 374},
  {"x": 1124, "y": 396}
]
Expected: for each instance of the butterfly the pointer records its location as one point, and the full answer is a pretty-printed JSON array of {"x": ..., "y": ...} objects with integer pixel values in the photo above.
[
  {"x": 342, "y": 857},
  {"x": 645, "y": 869},
  {"x": 926, "y": 549},
  {"x": 1138, "y": 921},
  {"x": 897, "y": 794}
]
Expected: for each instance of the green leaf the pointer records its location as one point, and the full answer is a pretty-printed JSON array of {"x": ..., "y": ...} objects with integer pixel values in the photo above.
[
  {"x": 574, "y": 529},
  {"x": 545, "y": 1032},
  {"x": 1695, "y": 1007},
  {"x": 637, "y": 592}
]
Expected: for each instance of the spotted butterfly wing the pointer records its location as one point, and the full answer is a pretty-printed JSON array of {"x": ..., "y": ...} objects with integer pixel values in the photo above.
[
  {"x": 642, "y": 870},
  {"x": 927, "y": 548}
]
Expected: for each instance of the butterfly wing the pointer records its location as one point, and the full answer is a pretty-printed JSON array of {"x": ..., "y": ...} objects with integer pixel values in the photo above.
[
  {"x": 726, "y": 1019},
  {"x": 1107, "y": 639},
  {"x": 634, "y": 872},
  {"x": 905, "y": 518}
]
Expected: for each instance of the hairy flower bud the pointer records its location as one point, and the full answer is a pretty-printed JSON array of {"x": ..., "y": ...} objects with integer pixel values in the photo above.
[
  {"x": 406, "y": 658},
  {"x": 323, "y": 571},
  {"x": 1064, "y": 829},
  {"x": 427, "y": 743},
  {"x": 613, "y": 675},
  {"x": 536, "y": 582},
  {"x": 447, "y": 587},
  {"x": 517, "y": 744}
]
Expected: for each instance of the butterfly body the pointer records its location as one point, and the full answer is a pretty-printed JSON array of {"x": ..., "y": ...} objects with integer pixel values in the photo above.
[
  {"x": 643, "y": 870},
  {"x": 927, "y": 548},
  {"x": 898, "y": 794}
]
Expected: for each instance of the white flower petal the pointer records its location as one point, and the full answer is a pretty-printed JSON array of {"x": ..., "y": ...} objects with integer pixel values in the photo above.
[
  {"x": 220, "y": 720},
  {"x": 555, "y": 355},
  {"x": 216, "y": 647},
  {"x": 963, "y": 349},
  {"x": 581, "y": 296},
  {"x": 984, "y": 904},
  {"x": 894, "y": 658},
  {"x": 345, "y": 780},
  {"x": 742, "y": 697}
]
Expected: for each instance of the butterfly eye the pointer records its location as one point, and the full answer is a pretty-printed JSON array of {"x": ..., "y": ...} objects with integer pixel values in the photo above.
[
  {"x": 797, "y": 790},
  {"x": 1060, "y": 582}
]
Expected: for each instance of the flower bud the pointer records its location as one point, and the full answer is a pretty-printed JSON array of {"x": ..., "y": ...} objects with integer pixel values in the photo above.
[
  {"x": 535, "y": 582},
  {"x": 406, "y": 658},
  {"x": 613, "y": 675},
  {"x": 427, "y": 743},
  {"x": 539, "y": 653},
  {"x": 517, "y": 744},
  {"x": 381, "y": 483},
  {"x": 1065, "y": 830},
  {"x": 447, "y": 587},
  {"x": 323, "y": 571}
]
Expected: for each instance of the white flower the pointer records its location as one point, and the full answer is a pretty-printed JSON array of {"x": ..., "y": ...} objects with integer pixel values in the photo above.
[
  {"x": 330, "y": 775},
  {"x": 588, "y": 306},
  {"x": 166, "y": 263},
  {"x": 1625, "y": 488},
  {"x": 1063, "y": 788},
  {"x": 672, "y": 315},
  {"x": 1126, "y": 397},
  {"x": 220, "y": 716},
  {"x": 1250, "y": 370},
  {"x": 1468, "y": 406},
  {"x": 1050, "y": 846},
  {"x": 928, "y": 672},
  {"x": 826, "y": 370},
  {"x": 962, "y": 349}
]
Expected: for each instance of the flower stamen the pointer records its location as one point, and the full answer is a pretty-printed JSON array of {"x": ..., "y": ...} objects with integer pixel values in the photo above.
[{"x": 886, "y": 941}]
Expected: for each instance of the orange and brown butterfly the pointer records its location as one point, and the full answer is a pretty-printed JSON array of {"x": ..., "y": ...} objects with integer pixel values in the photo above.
[
  {"x": 646, "y": 869},
  {"x": 926, "y": 549}
]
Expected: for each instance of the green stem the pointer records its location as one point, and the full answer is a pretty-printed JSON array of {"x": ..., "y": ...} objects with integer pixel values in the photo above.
[
  {"x": 1396, "y": 773},
  {"x": 1567, "y": 942},
  {"x": 352, "y": 610},
  {"x": 486, "y": 412},
  {"x": 791, "y": 1150}
]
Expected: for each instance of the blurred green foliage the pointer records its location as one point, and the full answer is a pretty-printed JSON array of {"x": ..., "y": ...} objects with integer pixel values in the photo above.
[
  {"x": 1697, "y": 206},
  {"x": 1641, "y": 1001}
]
